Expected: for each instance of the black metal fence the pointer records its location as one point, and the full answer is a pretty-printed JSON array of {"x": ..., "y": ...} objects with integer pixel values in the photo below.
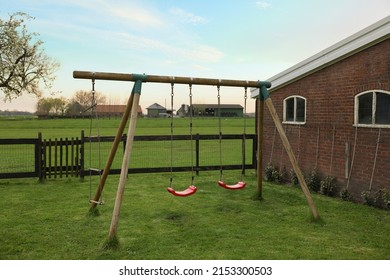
[{"x": 76, "y": 157}]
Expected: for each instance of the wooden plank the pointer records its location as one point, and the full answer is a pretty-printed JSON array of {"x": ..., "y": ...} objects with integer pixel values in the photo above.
[
  {"x": 125, "y": 167},
  {"x": 292, "y": 158},
  {"x": 167, "y": 79},
  {"x": 260, "y": 120}
]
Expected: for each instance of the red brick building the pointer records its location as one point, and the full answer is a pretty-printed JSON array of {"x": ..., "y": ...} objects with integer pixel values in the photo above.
[
  {"x": 335, "y": 108},
  {"x": 113, "y": 110}
]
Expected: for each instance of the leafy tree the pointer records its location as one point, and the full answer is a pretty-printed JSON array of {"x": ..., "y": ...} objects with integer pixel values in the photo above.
[
  {"x": 59, "y": 105},
  {"x": 44, "y": 106},
  {"x": 23, "y": 62},
  {"x": 51, "y": 105}
]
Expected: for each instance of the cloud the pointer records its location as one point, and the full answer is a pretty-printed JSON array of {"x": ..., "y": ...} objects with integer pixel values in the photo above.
[
  {"x": 127, "y": 12},
  {"x": 172, "y": 52},
  {"x": 187, "y": 16},
  {"x": 263, "y": 4},
  {"x": 136, "y": 15}
]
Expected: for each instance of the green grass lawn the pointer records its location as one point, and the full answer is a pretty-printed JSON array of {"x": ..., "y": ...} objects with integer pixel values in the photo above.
[{"x": 51, "y": 221}]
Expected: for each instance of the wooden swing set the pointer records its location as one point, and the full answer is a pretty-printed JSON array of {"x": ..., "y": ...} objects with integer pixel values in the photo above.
[{"x": 131, "y": 115}]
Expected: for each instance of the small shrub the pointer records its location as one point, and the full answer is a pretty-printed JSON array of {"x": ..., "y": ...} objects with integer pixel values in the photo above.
[
  {"x": 269, "y": 171},
  {"x": 277, "y": 177},
  {"x": 379, "y": 199},
  {"x": 345, "y": 195},
  {"x": 328, "y": 186},
  {"x": 281, "y": 176},
  {"x": 272, "y": 174},
  {"x": 314, "y": 181},
  {"x": 368, "y": 199},
  {"x": 382, "y": 198}
]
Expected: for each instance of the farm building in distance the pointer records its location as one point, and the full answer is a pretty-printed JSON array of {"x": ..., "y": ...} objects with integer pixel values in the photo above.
[
  {"x": 335, "y": 108},
  {"x": 199, "y": 110},
  {"x": 113, "y": 110},
  {"x": 211, "y": 110},
  {"x": 156, "y": 111}
]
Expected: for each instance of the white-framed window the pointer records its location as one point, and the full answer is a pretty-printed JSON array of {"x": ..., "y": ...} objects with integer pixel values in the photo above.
[
  {"x": 372, "y": 109},
  {"x": 294, "y": 110}
]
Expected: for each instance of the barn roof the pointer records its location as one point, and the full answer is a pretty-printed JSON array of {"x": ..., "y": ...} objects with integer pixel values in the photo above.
[
  {"x": 371, "y": 35},
  {"x": 155, "y": 106}
]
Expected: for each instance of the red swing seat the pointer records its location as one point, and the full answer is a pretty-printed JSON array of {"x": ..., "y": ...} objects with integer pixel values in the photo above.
[
  {"x": 189, "y": 191},
  {"x": 238, "y": 186}
]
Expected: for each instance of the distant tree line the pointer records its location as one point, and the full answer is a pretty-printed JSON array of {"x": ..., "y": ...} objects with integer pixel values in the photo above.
[
  {"x": 79, "y": 105},
  {"x": 15, "y": 113}
]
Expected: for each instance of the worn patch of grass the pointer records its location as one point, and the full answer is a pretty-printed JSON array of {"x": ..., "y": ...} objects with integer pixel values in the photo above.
[{"x": 51, "y": 221}]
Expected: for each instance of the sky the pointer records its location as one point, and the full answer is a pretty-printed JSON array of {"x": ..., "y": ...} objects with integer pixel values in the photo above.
[{"x": 222, "y": 39}]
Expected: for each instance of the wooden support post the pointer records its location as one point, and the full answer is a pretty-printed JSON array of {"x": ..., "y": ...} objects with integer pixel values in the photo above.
[
  {"x": 292, "y": 158},
  {"x": 260, "y": 119},
  {"x": 125, "y": 167},
  {"x": 113, "y": 151}
]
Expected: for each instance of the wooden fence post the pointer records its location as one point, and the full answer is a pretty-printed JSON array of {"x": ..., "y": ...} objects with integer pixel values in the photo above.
[
  {"x": 38, "y": 158},
  {"x": 197, "y": 160},
  {"x": 82, "y": 155}
]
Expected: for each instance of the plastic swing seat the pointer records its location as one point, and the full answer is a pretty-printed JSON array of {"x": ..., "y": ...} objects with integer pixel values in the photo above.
[
  {"x": 189, "y": 191},
  {"x": 238, "y": 186}
]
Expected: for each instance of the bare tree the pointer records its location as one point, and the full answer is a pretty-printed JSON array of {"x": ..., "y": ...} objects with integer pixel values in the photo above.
[
  {"x": 84, "y": 98},
  {"x": 23, "y": 63}
]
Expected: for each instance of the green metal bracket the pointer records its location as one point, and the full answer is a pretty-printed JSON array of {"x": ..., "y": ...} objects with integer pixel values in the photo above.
[
  {"x": 264, "y": 83},
  {"x": 264, "y": 94},
  {"x": 139, "y": 79}
]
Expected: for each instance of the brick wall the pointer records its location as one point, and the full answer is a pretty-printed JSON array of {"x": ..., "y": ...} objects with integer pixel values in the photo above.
[{"x": 327, "y": 141}]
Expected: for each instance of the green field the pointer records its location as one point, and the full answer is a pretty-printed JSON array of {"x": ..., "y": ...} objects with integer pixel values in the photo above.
[
  {"x": 50, "y": 220},
  {"x": 57, "y": 128}
]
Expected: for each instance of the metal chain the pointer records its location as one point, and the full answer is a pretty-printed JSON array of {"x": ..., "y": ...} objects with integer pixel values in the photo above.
[
  {"x": 191, "y": 138},
  {"x": 90, "y": 138},
  {"x": 220, "y": 133},
  {"x": 244, "y": 135},
  {"x": 172, "y": 95}
]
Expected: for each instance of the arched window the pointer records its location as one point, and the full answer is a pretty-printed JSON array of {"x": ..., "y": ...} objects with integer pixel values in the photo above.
[
  {"x": 294, "y": 109},
  {"x": 372, "y": 109}
]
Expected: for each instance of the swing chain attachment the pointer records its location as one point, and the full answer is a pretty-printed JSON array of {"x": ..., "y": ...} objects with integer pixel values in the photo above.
[{"x": 96, "y": 170}]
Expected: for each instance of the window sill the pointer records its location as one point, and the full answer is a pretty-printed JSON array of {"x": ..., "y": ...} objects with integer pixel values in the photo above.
[
  {"x": 294, "y": 123},
  {"x": 372, "y": 125}
]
